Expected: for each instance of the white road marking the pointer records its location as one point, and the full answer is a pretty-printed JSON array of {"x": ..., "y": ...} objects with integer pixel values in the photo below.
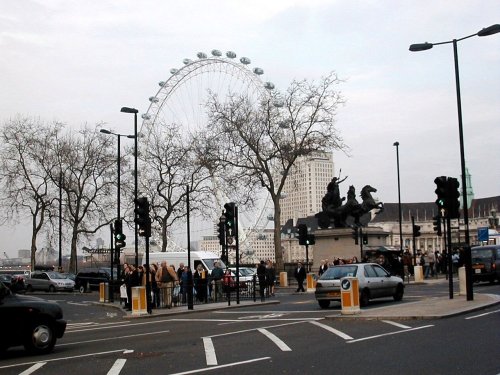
[
  {"x": 389, "y": 334},
  {"x": 33, "y": 368},
  {"x": 113, "y": 338},
  {"x": 209, "y": 351},
  {"x": 333, "y": 330},
  {"x": 284, "y": 347},
  {"x": 253, "y": 329},
  {"x": 396, "y": 324},
  {"x": 481, "y": 315},
  {"x": 77, "y": 303},
  {"x": 221, "y": 366},
  {"x": 65, "y": 358},
  {"x": 117, "y": 367}
]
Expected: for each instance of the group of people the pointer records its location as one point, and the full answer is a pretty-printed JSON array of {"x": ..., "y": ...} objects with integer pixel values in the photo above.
[
  {"x": 170, "y": 286},
  {"x": 266, "y": 274}
]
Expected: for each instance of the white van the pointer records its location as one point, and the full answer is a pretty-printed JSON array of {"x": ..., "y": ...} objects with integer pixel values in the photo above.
[{"x": 206, "y": 258}]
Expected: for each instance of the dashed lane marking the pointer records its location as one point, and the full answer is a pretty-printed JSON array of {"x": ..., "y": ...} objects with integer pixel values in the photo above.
[
  {"x": 332, "y": 330},
  {"x": 209, "y": 351},
  {"x": 205, "y": 369},
  {"x": 481, "y": 315},
  {"x": 117, "y": 367},
  {"x": 33, "y": 368},
  {"x": 396, "y": 324},
  {"x": 388, "y": 334},
  {"x": 279, "y": 343}
]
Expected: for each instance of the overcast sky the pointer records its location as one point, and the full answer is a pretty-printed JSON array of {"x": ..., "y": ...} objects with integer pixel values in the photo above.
[{"x": 81, "y": 61}]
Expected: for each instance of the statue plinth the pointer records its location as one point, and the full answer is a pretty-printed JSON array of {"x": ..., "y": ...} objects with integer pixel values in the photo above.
[{"x": 339, "y": 243}]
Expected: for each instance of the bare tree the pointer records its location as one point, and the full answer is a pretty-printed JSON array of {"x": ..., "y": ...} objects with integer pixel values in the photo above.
[
  {"x": 87, "y": 163},
  {"x": 259, "y": 146},
  {"x": 25, "y": 162},
  {"x": 173, "y": 169}
]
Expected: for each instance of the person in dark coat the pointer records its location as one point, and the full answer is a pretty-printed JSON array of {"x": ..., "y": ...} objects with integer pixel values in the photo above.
[
  {"x": 261, "y": 275},
  {"x": 300, "y": 276}
]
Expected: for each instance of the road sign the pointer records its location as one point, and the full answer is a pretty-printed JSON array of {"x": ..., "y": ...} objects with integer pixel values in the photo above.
[{"x": 482, "y": 234}]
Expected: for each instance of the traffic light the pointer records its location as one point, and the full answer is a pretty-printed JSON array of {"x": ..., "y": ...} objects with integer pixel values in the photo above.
[
  {"x": 416, "y": 230},
  {"x": 230, "y": 218},
  {"x": 453, "y": 200},
  {"x": 119, "y": 236},
  {"x": 437, "y": 224},
  {"x": 355, "y": 235},
  {"x": 365, "y": 239},
  {"x": 142, "y": 216},
  {"x": 221, "y": 229},
  {"x": 441, "y": 191},
  {"x": 311, "y": 239},
  {"x": 302, "y": 229}
]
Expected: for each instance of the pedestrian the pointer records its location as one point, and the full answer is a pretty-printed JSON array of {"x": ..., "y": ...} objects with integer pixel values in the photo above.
[
  {"x": 261, "y": 275},
  {"x": 155, "y": 291},
  {"x": 167, "y": 278},
  {"x": 217, "y": 275},
  {"x": 270, "y": 277},
  {"x": 200, "y": 283},
  {"x": 300, "y": 276},
  {"x": 322, "y": 268}
]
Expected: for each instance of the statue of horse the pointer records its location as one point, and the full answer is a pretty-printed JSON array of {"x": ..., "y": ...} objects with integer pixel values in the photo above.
[{"x": 368, "y": 203}]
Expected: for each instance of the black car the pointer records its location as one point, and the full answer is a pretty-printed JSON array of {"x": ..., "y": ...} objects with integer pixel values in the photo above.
[
  {"x": 89, "y": 278},
  {"x": 29, "y": 321}
]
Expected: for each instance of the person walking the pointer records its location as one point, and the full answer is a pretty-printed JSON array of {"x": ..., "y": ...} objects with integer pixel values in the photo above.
[
  {"x": 217, "y": 275},
  {"x": 322, "y": 268},
  {"x": 261, "y": 275},
  {"x": 200, "y": 282},
  {"x": 270, "y": 278},
  {"x": 300, "y": 276}
]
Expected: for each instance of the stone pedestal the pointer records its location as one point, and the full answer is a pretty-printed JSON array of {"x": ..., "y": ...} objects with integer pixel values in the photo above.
[{"x": 331, "y": 243}]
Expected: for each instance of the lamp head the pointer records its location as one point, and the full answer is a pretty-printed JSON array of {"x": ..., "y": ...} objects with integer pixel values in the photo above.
[
  {"x": 128, "y": 110},
  {"x": 105, "y": 131},
  {"x": 396, "y": 144},
  {"x": 493, "y": 29},
  {"x": 421, "y": 47}
]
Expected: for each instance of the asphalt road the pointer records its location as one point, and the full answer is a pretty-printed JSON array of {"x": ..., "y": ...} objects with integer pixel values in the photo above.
[{"x": 290, "y": 337}]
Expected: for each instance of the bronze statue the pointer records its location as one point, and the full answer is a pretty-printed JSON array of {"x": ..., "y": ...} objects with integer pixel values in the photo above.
[{"x": 352, "y": 212}]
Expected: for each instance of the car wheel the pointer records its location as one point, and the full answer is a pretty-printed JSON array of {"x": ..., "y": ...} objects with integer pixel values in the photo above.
[
  {"x": 52, "y": 289},
  {"x": 81, "y": 289},
  {"x": 364, "y": 298},
  {"x": 324, "y": 304},
  {"x": 41, "y": 338},
  {"x": 398, "y": 296}
]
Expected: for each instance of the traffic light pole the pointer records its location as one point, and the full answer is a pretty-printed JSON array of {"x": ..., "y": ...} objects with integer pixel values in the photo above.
[
  {"x": 111, "y": 255},
  {"x": 450, "y": 261},
  {"x": 237, "y": 242}
]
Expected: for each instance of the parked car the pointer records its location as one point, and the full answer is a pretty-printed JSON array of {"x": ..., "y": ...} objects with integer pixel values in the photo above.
[
  {"x": 374, "y": 282},
  {"x": 89, "y": 278},
  {"x": 246, "y": 273},
  {"x": 48, "y": 281},
  {"x": 486, "y": 263},
  {"x": 29, "y": 321}
]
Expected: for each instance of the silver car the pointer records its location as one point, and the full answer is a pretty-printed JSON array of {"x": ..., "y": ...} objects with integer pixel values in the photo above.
[
  {"x": 49, "y": 282},
  {"x": 374, "y": 282}
]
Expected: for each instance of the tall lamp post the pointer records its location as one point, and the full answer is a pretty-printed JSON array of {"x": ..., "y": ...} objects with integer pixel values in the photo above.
[
  {"x": 399, "y": 203},
  {"x": 118, "y": 215},
  {"x": 493, "y": 29},
  {"x": 136, "y": 233}
]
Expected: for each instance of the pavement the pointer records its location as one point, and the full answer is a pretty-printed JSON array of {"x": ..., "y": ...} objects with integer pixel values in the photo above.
[{"x": 432, "y": 307}]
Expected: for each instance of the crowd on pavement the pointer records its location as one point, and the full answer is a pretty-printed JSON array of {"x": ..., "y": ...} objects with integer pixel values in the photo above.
[{"x": 170, "y": 286}]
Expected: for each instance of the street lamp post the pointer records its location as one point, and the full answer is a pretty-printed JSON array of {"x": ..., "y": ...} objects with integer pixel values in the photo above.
[
  {"x": 493, "y": 29},
  {"x": 136, "y": 233},
  {"x": 118, "y": 215},
  {"x": 399, "y": 203}
]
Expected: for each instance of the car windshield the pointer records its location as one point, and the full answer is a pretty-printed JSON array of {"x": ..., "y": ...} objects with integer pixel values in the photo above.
[
  {"x": 210, "y": 263},
  {"x": 336, "y": 273},
  {"x": 55, "y": 275}
]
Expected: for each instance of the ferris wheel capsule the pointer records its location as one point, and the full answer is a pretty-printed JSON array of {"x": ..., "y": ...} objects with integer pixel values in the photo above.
[
  {"x": 216, "y": 53},
  {"x": 187, "y": 61},
  {"x": 258, "y": 71},
  {"x": 231, "y": 54},
  {"x": 201, "y": 55},
  {"x": 153, "y": 99},
  {"x": 161, "y": 83},
  {"x": 174, "y": 71},
  {"x": 145, "y": 116},
  {"x": 269, "y": 85},
  {"x": 245, "y": 60}
]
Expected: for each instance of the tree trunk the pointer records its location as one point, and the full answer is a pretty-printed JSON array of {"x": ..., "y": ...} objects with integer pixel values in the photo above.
[
  {"x": 73, "y": 258},
  {"x": 278, "y": 253}
]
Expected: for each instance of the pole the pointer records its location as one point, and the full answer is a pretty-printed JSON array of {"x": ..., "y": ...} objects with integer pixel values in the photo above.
[
  {"x": 190, "y": 272},
  {"x": 361, "y": 243},
  {"x": 450, "y": 261},
  {"x": 148, "y": 281},
  {"x": 111, "y": 297},
  {"x": 237, "y": 255},
  {"x": 414, "y": 242},
  {"x": 399, "y": 204},
  {"x": 112, "y": 248},
  {"x": 136, "y": 232},
  {"x": 60, "y": 221},
  {"x": 468, "y": 265}
]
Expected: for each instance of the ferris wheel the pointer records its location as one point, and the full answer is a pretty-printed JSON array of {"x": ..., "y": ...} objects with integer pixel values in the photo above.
[{"x": 182, "y": 99}]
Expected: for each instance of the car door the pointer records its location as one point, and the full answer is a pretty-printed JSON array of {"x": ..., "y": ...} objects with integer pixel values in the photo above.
[
  {"x": 372, "y": 281},
  {"x": 387, "y": 287}
]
